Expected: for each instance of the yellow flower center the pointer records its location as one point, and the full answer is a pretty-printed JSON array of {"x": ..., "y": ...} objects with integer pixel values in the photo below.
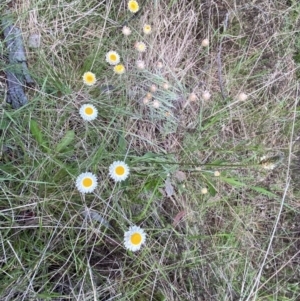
[
  {"x": 87, "y": 182},
  {"x": 89, "y": 111},
  {"x": 136, "y": 238},
  {"x": 90, "y": 78},
  {"x": 133, "y": 6},
  {"x": 113, "y": 57},
  {"x": 141, "y": 46},
  {"x": 119, "y": 69},
  {"x": 120, "y": 170}
]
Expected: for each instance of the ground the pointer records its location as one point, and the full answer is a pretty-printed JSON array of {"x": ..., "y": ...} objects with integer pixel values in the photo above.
[{"x": 213, "y": 152}]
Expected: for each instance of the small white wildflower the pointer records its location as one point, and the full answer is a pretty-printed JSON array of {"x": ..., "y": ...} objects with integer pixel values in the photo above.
[
  {"x": 119, "y": 171},
  {"x": 206, "y": 95},
  {"x": 86, "y": 182},
  {"x": 140, "y": 64},
  {"x": 133, "y": 6},
  {"x": 147, "y": 29},
  {"x": 156, "y": 104},
  {"x": 134, "y": 238},
  {"x": 126, "y": 31},
  {"x": 88, "y": 112},
  {"x": 112, "y": 57},
  {"x": 140, "y": 46}
]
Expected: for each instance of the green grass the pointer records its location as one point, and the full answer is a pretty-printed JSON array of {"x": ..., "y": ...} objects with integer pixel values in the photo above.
[{"x": 239, "y": 241}]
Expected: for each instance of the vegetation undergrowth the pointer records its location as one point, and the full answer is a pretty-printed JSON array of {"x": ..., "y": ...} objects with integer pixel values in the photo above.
[{"x": 157, "y": 158}]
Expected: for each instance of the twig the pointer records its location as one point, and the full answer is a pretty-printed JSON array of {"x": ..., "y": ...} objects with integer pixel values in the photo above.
[{"x": 219, "y": 61}]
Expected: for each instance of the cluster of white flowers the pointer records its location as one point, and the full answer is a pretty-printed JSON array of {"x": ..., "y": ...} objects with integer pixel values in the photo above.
[{"x": 87, "y": 182}]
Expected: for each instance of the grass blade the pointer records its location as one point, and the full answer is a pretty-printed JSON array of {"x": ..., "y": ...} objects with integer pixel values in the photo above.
[{"x": 65, "y": 141}]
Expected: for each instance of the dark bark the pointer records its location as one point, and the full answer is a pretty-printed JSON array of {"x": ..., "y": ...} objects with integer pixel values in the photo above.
[{"x": 17, "y": 73}]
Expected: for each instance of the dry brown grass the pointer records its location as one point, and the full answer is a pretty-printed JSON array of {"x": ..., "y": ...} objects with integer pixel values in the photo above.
[{"x": 238, "y": 242}]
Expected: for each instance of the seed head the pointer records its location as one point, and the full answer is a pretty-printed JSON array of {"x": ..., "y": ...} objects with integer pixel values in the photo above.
[
  {"x": 242, "y": 96},
  {"x": 159, "y": 65},
  {"x": 149, "y": 95},
  {"x": 156, "y": 104},
  {"x": 153, "y": 88},
  {"x": 217, "y": 173},
  {"x": 140, "y": 64},
  {"x": 204, "y": 190},
  {"x": 166, "y": 86},
  {"x": 145, "y": 100},
  {"x": 205, "y": 43},
  {"x": 206, "y": 95},
  {"x": 193, "y": 97}
]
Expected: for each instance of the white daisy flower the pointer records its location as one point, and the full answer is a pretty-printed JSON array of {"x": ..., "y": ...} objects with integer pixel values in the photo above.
[
  {"x": 133, "y": 6},
  {"x": 86, "y": 182},
  {"x": 119, "y": 171},
  {"x": 140, "y": 46},
  {"x": 147, "y": 29},
  {"x": 89, "y": 78},
  {"x": 119, "y": 69},
  {"x": 112, "y": 57},
  {"x": 134, "y": 238},
  {"x": 88, "y": 112}
]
